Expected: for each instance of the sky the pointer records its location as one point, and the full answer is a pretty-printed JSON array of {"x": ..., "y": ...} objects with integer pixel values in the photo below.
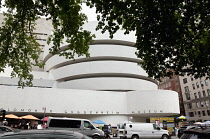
[{"x": 90, "y": 12}]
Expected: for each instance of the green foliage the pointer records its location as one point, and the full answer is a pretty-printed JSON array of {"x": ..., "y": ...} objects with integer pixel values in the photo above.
[
  {"x": 170, "y": 34},
  {"x": 18, "y": 46}
]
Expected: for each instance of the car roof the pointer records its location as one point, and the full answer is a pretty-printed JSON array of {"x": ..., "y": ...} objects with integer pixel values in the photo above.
[
  {"x": 198, "y": 130},
  {"x": 38, "y": 132},
  {"x": 66, "y": 118},
  {"x": 5, "y": 126}
]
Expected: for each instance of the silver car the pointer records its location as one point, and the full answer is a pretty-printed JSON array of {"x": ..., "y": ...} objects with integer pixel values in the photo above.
[
  {"x": 44, "y": 134},
  {"x": 4, "y": 129}
]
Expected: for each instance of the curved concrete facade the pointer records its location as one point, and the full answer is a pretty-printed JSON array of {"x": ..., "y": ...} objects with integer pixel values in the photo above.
[{"x": 109, "y": 85}]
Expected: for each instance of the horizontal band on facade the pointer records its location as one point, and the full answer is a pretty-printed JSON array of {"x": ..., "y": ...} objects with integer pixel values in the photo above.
[
  {"x": 115, "y": 42},
  {"x": 99, "y": 58},
  {"x": 97, "y": 75},
  {"x": 96, "y": 42}
]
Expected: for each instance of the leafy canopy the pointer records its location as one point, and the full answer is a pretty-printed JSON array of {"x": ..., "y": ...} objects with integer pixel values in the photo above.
[
  {"x": 171, "y": 34},
  {"x": 18, "y": 46}
]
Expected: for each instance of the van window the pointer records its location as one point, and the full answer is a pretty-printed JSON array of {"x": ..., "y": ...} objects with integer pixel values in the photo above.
[
  {"x": 156, "y": 127},
  {"x": 65, "y": 123},
  {"x": 121, "y": 126},
  {"x": 88, "y": 124}
]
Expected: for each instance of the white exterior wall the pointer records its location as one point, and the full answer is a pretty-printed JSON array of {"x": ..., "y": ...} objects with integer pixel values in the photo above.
[{"x": 84, "y": 103}]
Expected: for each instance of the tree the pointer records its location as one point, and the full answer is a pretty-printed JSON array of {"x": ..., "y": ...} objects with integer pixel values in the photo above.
[
  {"x": 18, "y": 46},
  {"x": 171, "y": 34}
]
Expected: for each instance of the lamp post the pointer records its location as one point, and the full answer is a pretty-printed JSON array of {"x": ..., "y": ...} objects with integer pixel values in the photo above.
[{"x": 44, "y": 108}]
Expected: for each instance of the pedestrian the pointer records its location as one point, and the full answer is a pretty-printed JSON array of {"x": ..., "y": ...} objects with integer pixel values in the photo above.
[
  {"x": 44, "y": 125},
  {"x": 109, "y": 129}
]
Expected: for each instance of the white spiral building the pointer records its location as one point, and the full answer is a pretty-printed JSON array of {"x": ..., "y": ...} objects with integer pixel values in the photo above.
[{"x": 109, "y": 85}]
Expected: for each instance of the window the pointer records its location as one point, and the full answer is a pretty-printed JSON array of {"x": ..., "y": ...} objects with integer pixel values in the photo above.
[
  {"x": 88, "y": 125},
  {"x": 187, "y": 96},
  {"x": 199, "y": 94},
  {"x": 191, "y": 114},
  {"x": 204, "y": 93},
  {"x": 202, "y": 85},
  {"x": 204, "y": 113},
  {"x": 185, "y": 80},
  {"x": 208, "y": 92},
  {"x": 197, "y": 104},
  {"x": 201, "y": 102},
  {"x": 206, "y": 82},
  {"x": 199, "y": 113},
  {"x": 191, "y": 78},
  {"x": 208, "y": 112},
  {"x": 189, "y": 106},
  {"x": 193, "y": 85},
  {"x": 186, "y": 88},
  {"x": 197, "y": 85},
  {"x": 195, "y": 95},
  {"x": 195, "y": 113},
  {"x": 207, "y": 103},
  {"x": 65, "y": 123}
]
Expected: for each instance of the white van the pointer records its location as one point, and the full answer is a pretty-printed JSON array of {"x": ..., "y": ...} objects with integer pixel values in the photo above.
[
  {"x": 141, "y": 130},
  {"x": 83, "y": 126}
]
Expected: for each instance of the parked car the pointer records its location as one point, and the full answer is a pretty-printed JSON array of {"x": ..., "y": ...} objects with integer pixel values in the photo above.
[
  {"x": 4, "y": 129},
  {"x": 141, "y": 131},
  {"x": 182, "y": 129},
  {"x": 196, "y": 133},
  {"x": 83, "y": 126},
  {"x": 44, "y": 134}
]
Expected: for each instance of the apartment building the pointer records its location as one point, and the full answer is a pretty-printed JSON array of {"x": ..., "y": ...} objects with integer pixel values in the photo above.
[{"x": 196, "y": 97}]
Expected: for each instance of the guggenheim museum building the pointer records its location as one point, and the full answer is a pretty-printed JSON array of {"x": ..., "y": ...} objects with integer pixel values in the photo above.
[{"x": 109, "y": 85}]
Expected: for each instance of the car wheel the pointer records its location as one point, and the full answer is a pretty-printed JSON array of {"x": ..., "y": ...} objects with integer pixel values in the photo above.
[
  {"x": 165, "y": 137},
  {"x": 96, "y": 137},
  {"x": 135, "y": 137}
]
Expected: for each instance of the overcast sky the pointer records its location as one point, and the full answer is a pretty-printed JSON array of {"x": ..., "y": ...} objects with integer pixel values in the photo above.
[{"x": 90, "y": 12}]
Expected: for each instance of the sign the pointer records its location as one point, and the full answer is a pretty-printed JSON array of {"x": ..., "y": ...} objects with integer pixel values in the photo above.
[{"x": 161, "y": 119}]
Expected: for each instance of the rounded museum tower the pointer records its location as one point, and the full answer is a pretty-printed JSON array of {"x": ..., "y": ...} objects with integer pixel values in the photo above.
[{"x": 112, "y": 66}]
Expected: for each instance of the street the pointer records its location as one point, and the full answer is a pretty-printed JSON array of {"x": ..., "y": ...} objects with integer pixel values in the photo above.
[{"x": 174, "y": 137}]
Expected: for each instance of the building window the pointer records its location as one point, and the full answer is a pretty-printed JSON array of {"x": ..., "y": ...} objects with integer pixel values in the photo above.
[
  {"x": 191, "y": 78},
  {"x": 197, "y": 104},
  {"x": 193, "y": 85},
  {"x": 195, "y": 113},
  {"x": 189, "y": 106},
  {"x": 207, "y": 103},
  {"x": 197, "y": 85},
  {"x": 186, "y": 88},
  {"x": 204, "y": 113},
  {"x": 185, "y": 80},
  {"x": 208, "y": 92},
  {"x": 199, "y": 94},
  {"x": 187, "y": 96},
  {"x": 208, "y": 112},
  {"x": 204, "y": 93},
  {"x": 191, "y": 114},
  {"x": 206, "y": 82},
  {"x": 202, "y": 85},
  {"x": 201, "y": 102},
  {"x": 199, "y": 113},
  {"x": 195, "y": 95}
]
